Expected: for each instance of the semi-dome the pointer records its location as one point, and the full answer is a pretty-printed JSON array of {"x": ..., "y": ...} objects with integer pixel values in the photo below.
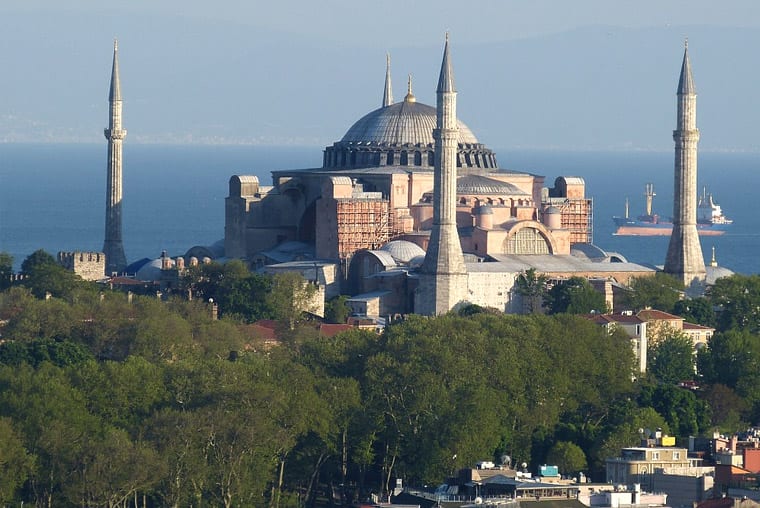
[
  {"x": 407, "y": 122},
  {"x": 478, "y": 185},
  {"x": 403, "y": 251}
]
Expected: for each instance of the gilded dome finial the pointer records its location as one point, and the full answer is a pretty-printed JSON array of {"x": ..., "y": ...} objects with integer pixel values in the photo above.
[{"x": 409, "y": 95}]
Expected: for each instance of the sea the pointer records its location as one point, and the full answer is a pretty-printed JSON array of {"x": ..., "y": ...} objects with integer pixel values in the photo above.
[{"x": 52, "y": 196}]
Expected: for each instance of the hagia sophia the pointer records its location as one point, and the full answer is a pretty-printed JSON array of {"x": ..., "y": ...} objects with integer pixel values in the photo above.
[
  {"x": 363, "y": 222},
  {"x": 411, "y": 213}
]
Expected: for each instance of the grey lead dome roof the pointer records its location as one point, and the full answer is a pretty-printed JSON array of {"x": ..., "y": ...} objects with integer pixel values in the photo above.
[
  {"x": 406, "y": 122},
  {"x": 478, "y": 184}
]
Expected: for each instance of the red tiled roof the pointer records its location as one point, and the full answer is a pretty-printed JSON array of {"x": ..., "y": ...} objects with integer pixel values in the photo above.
[
  {"x": 693, "y": 326},
  {"x": 648, "y": 314},
  {"x": 602, "y": 319},
  {"x": 330, "y": 330}
]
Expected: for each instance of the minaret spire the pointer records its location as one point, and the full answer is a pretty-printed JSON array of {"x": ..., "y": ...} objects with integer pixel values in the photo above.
[
  {"x": 113, "y": 247},
  {"x": 684, "y": 258},
  {"x": 388, "y": 91},
  {"x": 443, "y": 276}
]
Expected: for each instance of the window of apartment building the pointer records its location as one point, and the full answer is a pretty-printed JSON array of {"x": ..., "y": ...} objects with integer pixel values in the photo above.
[
  {"x": 676, "y": 455},
  {"x": 655, "y": 455}
]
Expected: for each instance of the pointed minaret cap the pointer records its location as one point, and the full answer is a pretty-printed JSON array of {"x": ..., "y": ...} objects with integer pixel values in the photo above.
[
  {"x": 686, "y": 81},
  {"x": 388, "y": 91},
  {"x": 115, "y": 92},
  {"x": 446, "y": 79}
]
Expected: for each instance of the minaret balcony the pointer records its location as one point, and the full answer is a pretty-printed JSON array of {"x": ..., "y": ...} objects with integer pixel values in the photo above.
[{"x": 115, "y": 133}]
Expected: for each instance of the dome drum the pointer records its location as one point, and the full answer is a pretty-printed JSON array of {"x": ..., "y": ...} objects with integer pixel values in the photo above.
[{"x": 354, "y": 155}]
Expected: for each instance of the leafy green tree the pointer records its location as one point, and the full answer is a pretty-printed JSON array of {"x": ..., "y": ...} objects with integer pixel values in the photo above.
[
  {"x": 336, "y": 310},
  {"x": 738, "y": 300},
  {"x": 531, "y": 286},
  {"x": 574, "y": 296},
  {"x": 696, "y": 310},
  {"x": 568, "y": 457},
  {"x": 6, "y": 270},
  {"x": 625, "y": 433},
  {"x": 731, "y": 358},
  {"x": 44, "y": 275},
  {"x": 34, "y": 353},
  {"x": 671, "y": 358},
  {"x": 16, "y": 464},
  {"x": 36, "y": 260},
  {"x": 291, "y": 297},
  {"x": 660, "y": 291},
  {"x": 231, "y": 285},
  {"x": 685, "y": 413},
  {"x": 728, "y": 410}
]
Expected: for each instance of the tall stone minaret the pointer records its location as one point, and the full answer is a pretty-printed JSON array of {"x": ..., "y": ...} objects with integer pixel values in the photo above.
[
  {"x": 388, "y": 91},
  {"x": 684, "y": 259},
  {"x": 443, "y": 277},
  {"x": 113, "y": 248}
]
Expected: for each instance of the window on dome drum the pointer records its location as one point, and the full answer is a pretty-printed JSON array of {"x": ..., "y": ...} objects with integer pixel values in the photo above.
[
  {"x": 389, "y": 158},
  {"x": 431, "y": 158},
  {"x": 417, "y": 159},
  {"x": 404, "y": 158}
]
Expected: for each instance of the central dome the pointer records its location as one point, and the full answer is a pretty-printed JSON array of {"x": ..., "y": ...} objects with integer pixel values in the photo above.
[{"x": 403, "y": 123}]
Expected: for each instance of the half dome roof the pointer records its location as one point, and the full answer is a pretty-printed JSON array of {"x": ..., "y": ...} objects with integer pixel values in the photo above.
[{"x": 482, "y": 185}]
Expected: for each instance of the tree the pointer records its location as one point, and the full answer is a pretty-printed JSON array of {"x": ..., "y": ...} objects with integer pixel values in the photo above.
[
  {"x": 671, "y": 358},
  {"x": 728, "y": 410},
  {"x": 661, "y": 291},
  {"x": 291, "y": 296},
  {"x": 574, "y": 296},
  {"x": 625, "y": 433},
  {"x": 685, "y": 413},
  {"x": 568, "y": 457},
  {"x": 36, "y": 260},
  {"x": 336, "y": 310},
  {"x": 738, "y": 300},
  {"x": 16, "y": 464},
  {"x": 696, "y": 310},
  {"x": 732, "y": 358},
  {"x": 532, "y": 288},
  {"x": 6, "y": 270},
  {"x": 44, "y": 275}
]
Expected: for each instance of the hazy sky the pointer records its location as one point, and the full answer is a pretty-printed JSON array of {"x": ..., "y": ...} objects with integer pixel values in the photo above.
[{"x": 301, "y": 72}]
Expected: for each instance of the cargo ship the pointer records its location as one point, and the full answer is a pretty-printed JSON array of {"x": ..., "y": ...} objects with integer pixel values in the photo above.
[{"x": 710, "y": 218}]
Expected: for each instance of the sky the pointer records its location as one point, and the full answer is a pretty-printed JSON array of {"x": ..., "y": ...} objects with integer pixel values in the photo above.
[{"x": 544, "y": 74}]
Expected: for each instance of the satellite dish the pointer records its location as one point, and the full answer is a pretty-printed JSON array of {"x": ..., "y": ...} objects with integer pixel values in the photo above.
[
  {"x": 478, "y": 500},
  {"x": 524, "y": 465},
  {"x": 506, "y": 460},
  {"x": 641, "y": 431}
]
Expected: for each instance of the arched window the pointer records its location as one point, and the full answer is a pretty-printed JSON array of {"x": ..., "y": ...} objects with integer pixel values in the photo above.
[{"x": 528, "y": 240}]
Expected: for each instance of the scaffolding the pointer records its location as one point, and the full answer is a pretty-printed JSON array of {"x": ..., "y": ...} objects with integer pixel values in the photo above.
[
  {"x": 577, "y": 217},
  {"x": 362, "y": 224}
]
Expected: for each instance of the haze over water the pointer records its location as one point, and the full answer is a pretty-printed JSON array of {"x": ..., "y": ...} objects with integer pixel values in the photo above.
[{"x": 53, "y": 196}]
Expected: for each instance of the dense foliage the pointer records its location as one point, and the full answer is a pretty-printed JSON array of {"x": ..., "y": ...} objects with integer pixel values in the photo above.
[{"x": 107, "y": 402}]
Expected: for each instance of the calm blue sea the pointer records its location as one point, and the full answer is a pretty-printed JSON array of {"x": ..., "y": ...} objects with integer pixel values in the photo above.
[{"x": 53, "y": 196}]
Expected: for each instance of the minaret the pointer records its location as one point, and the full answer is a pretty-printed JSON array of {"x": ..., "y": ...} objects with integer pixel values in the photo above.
[
  {"x": 443, "y": 277},
  {"x": 684, "y": 259},
  {"x": 388, "y": 91},
  {"x": 113, "y": 248}
]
